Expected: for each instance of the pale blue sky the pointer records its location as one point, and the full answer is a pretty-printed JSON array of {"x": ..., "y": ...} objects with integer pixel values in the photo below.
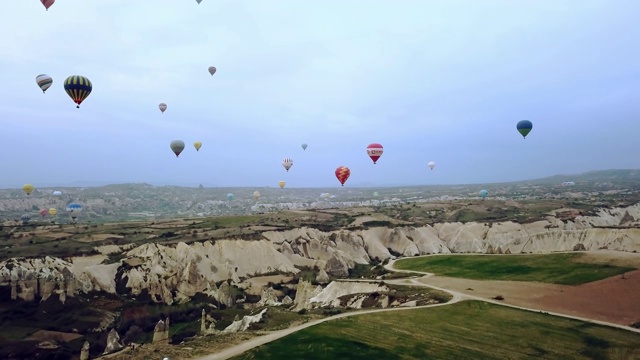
[{"x": 442, "y": 81}]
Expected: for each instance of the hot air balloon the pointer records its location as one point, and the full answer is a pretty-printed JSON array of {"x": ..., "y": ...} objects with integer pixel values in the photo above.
[
  {"x": 197, "y": 145},
  {"x": 44, "y": 212},
  {"x": 44, "y": 81},
  {"x": 374, "y": 151},
  {"x": 25, "y": 218},
  {"x": 198, "y": 1},
  {"x": 282, "y": 184},
  {"x": 78, "y": 88},
  {"x": 343, "y": 173},
  {"x": 431, "y": 165},
  {"x": 47, "y": 3},
  {"x": 230, "y": 196},
  {"x": 28, "y": 188},
  {"x": 177, "y": 146},
  {"x": 162, "y": 107},
  {"x": 484, "y": 193},
  {"x": 53, "y": 211},
  {"x": 57, "y": 193},
  {"x": 74, "y": 209},
  {"x": 212, "y": 70},
  {"x": 304, "y": 146},
  {"x": 524, "y": 127},
  {"x": 256, "y": 195},
  {"x": 375, "y": 193},
  {"x": 287, "y": 163}
]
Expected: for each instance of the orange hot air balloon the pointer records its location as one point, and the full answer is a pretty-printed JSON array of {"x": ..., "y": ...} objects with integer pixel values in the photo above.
[{"x": 343, "y": 173}]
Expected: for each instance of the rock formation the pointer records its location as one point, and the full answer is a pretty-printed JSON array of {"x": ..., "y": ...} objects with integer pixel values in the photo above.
[
  {"x": 268, "y": 297},
  {"x": 161, "y": 331},
  {"x": 242, "y": 325},
  {"x": 113, "y": 342},
  {"x": 84, "y": 352},
  {"x": 176, "y": 274},
  {"x": 203, "y": 325},
  {"x": 304, "y": 293}
]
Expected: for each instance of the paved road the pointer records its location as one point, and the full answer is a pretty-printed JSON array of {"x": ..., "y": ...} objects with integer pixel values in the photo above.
[{"x": 456, "y": 297}]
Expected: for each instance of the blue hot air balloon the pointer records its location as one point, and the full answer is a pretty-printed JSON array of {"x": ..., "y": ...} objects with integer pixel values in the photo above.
[
  {"x": 304, "y": 146},
  {"x": 78, "y": 88},
  {"x": 230, "y": 196},
  {"x": 524, "y": 127},
  {"x": 74, "y": 209}
]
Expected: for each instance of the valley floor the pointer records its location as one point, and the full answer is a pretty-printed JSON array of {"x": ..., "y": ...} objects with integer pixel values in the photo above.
[{"x": 612, "y": 301}]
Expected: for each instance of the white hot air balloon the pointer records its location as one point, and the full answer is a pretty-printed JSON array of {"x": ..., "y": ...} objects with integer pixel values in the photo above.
[
  {"x": 287, "y": 163},
  {"x": 44, "y": 81},
  {"x": 431, "y": 165}
]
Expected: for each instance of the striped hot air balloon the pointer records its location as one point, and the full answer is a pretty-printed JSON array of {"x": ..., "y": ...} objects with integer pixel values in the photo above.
[
  {"x": 374, "y": 151},
  {"x": 343, "y": 173},
  {"x": 47, "y": 3},
  {"x": 287, "y": 163},
  {"x": 162, "y": 107},
  {"x": 212, "y": 70},
  {"x": 78, "y": 88},
  {"x": 44, "y": 81}
]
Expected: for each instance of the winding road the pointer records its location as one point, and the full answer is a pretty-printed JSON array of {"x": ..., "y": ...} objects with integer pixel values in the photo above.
[{"x": 456, "y": 297}]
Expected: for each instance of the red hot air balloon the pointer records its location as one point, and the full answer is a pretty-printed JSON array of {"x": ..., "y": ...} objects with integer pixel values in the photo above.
[
  {"x": 343, "y": 173},
  {"x": 44, "y": 212},
  {"x": 375, "y": 151},
  {"x": 47, "y": 3}
]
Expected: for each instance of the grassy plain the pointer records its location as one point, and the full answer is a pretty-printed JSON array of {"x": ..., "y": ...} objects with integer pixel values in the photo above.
[
  {"x": 564, "y": 269},
  {"x": 465, "y": 330}
]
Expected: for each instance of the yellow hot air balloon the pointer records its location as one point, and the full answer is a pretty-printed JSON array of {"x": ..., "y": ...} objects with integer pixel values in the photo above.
[
  {"x": 197, "y": 145},
  {"x": 28, "y": 188},
  {"x": 281, "y": 184},
  {"x": 53, "y": 211}
]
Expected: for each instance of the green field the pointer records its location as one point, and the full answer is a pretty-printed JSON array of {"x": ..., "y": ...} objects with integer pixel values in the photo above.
[
  {"x": 565, "y": 269},
  {"x": 465, "y": 330}
]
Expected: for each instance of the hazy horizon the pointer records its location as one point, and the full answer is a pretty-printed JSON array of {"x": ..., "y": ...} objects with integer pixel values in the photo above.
[{"x": 430, "y": 81}]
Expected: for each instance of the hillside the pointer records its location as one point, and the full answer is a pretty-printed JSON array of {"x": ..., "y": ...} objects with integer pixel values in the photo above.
[{"x": 120, "y": 202}]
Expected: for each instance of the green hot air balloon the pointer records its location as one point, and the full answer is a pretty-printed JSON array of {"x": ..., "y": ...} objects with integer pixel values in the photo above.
[
  {"x": 177, "y": 146},
  {"x": 78, "y": 88},
  {"x": 524, "y": 127},
  {"x": 484, "y": 193}
]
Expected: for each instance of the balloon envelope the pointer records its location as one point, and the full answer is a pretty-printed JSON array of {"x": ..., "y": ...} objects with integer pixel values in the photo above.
[
  {"x": 524, "y": 127},
  {"x": 44, "y": 212},
  {"x": 282, "y": 184},
  {"x": 197, "y": 145},
  {"x": 230, "y": 196},
  {"x": 47, "y": 3},
  {"x": 287, "y": 163},
  {"x": 431, "y": 165},
  {"x": 304, "y": 146},
  {"x": 212, "y": 70},
  {"x": 25, "y": 218},
  {"x": 57, "y": 193},
  {"x": 162, "y": 107},
  {"x": 177, "y": 146},
  {"x": 375, "y": 151},
  {"x": 78, "y": 88},
  {"x": 342, "y": 173},
  {"x": 28, "y": 188},
  {"x": 484, "y": 193},
  {"x": 256, "y": 195},
  {"x": 74, "y": 209},
  {"x": 44, "y": 81},
  {"x": 53, "y": 211}
]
